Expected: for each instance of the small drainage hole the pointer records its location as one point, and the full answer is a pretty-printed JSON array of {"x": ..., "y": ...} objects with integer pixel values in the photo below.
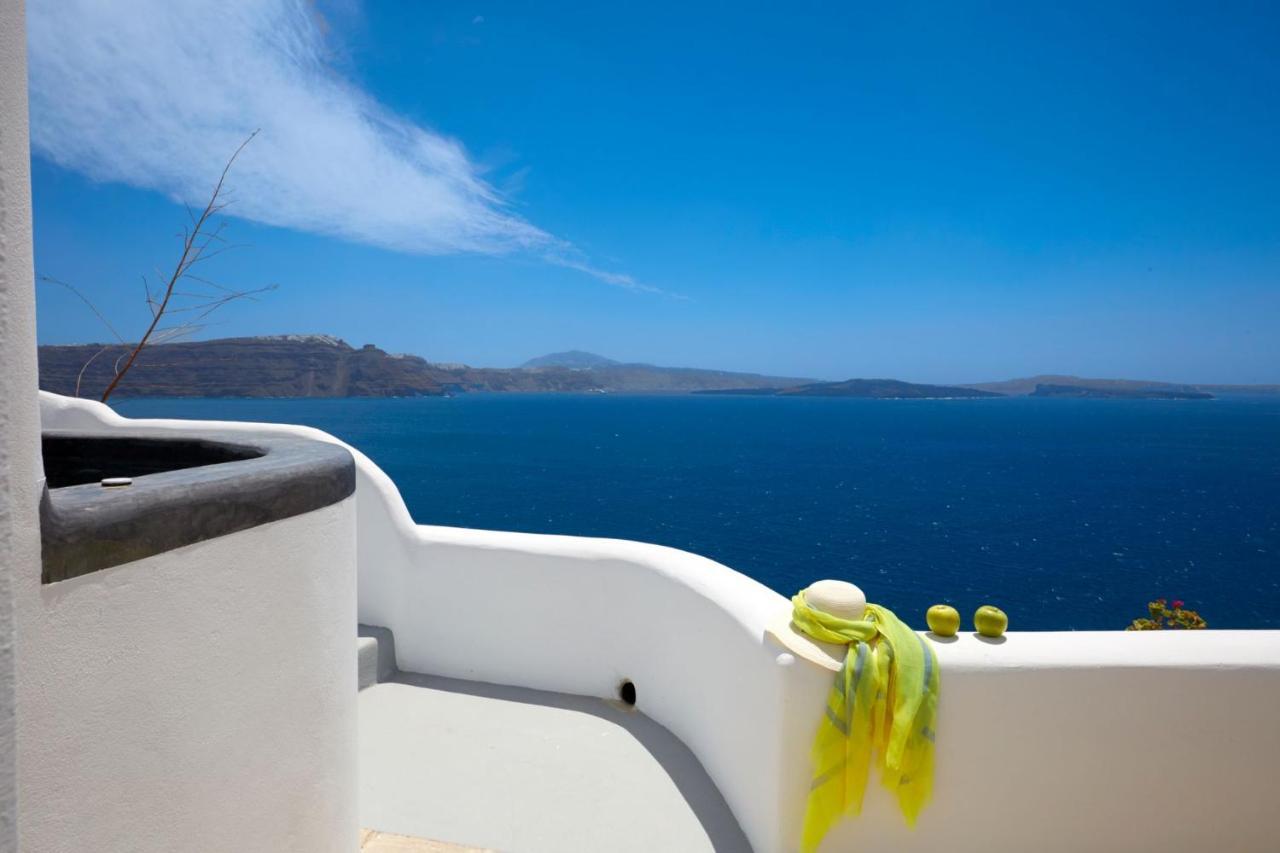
[{"x": 627, "y": 692}]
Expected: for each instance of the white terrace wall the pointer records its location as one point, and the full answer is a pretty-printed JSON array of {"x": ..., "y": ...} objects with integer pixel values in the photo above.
[
  {"x": 1106, "y": 741},
  {"x": 581, "y": 615},
  {"x": 203, "y": 699},
  {"x": 1047, "y": 741},
  {"x": 200, "y": 700}
]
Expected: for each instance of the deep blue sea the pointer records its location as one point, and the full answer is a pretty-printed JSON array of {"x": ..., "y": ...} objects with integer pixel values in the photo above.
[{"x": 1065, "y": 513}]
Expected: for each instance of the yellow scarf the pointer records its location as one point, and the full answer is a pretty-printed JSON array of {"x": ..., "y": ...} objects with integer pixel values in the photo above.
[{"x": 884, "y": 702}]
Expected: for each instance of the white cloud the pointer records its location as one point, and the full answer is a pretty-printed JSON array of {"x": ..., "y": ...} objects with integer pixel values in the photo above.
[
  {"x": 158, "y": 93},
  {"x": 572, "y": 262}
]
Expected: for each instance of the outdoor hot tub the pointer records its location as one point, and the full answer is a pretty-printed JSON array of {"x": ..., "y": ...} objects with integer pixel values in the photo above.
[{"x": 112, "y": 499}]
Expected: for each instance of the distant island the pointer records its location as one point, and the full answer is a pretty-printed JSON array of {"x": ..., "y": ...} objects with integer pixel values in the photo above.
[
  {"x": 327, "y": 366},
  {"x": 1086, "y": 392},
  {"x": 1119, "y": 388},
  {"x": 882, "y": 389}
]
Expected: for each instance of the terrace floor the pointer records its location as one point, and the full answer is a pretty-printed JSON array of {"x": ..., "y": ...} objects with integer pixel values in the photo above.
[{"x": 524, "y": 770}]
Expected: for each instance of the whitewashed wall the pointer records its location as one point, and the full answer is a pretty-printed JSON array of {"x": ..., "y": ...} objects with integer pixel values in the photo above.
[
  {"x": 579, "y": 616},
  {"x": 202, "y": 699},
  {"x": 199, "y": 700},
  {"x": 19, "y": 422},
  {"x": 1106, "y": 741},
  {"x": 1047, "y": 741}
]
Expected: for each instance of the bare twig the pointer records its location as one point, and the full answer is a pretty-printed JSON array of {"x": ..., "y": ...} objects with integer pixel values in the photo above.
[
  {"x": 85, "y": 366},
  {"x": 151, "y": 304},
  {"x": 51, "y": 280},
  {"x": 80, "y": 376},
  {"x": 202, "y": 240},
  {"x": 196, "y": 240}
]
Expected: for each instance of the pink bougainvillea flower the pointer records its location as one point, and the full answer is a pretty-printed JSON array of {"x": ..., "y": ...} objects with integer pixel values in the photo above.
[{"x": 1177, "y": 603}]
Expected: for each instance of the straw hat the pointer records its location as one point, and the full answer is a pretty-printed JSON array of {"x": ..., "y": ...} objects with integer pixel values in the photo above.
[{"x": 839, "y": 598}]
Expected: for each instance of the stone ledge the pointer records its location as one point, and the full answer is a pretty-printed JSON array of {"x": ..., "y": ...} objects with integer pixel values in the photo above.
[{"x": 88, "y": 527}]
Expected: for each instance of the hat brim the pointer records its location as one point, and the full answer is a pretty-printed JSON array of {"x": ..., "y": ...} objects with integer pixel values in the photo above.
[{"x": 826, "y": 655}]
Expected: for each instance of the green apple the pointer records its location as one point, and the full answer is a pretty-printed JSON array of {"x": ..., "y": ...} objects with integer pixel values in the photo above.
[
  {"x": 943, "y": 620},
  {"x": 990, "y": 621}
]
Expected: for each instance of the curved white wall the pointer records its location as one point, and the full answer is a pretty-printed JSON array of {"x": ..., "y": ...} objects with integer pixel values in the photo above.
[
  {"x": 203, "y": 699},
  {"x": 1048, "y": 741},
  {"x": 580, "y": 615}
]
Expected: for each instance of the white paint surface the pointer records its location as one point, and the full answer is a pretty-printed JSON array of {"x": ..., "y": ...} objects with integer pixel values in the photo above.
[
  {"x": 203, "y": 699},
  {"x": 19, "y": 419},
  {"x": 1092, "y": 741},
  {"x": 1052, "y": 741},
  {"x": 200, "y": 700}
]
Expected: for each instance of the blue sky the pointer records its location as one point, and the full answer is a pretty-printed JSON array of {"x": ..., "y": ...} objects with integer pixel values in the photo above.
[{"x": 950, "y": 192}]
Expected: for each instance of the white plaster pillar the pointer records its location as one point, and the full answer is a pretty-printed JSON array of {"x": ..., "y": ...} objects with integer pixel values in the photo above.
[{"x": 20, "y": 468}]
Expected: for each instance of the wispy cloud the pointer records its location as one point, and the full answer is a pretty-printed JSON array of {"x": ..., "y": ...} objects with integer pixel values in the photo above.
[
  {"x": 573, "y": 262},
  {"x": 157, "y": 93}
]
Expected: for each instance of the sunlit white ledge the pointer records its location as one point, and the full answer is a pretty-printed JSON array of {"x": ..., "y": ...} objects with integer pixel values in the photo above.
[{"x": 1111, "y": 650}]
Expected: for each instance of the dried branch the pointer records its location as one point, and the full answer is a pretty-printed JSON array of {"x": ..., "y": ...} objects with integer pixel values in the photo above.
[
  {"x": 196, "y": 241},
  {"x": 94, "y": 308},
  {"x": 151, "y": 304},
  {"x": 51, "y": 280},
  {"x": 202, "y": 241},
  {"x": 85, "y": 366}
]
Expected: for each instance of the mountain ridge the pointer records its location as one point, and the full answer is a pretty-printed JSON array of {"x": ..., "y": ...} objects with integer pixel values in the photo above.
[
  {"x": 575, "y": 359},
  {"x": 319, "y": 365},
  {"x": 327, "y": 366}
]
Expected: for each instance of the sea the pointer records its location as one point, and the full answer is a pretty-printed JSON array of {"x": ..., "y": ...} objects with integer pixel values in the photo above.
[{"x": 1065, "y": 513}]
